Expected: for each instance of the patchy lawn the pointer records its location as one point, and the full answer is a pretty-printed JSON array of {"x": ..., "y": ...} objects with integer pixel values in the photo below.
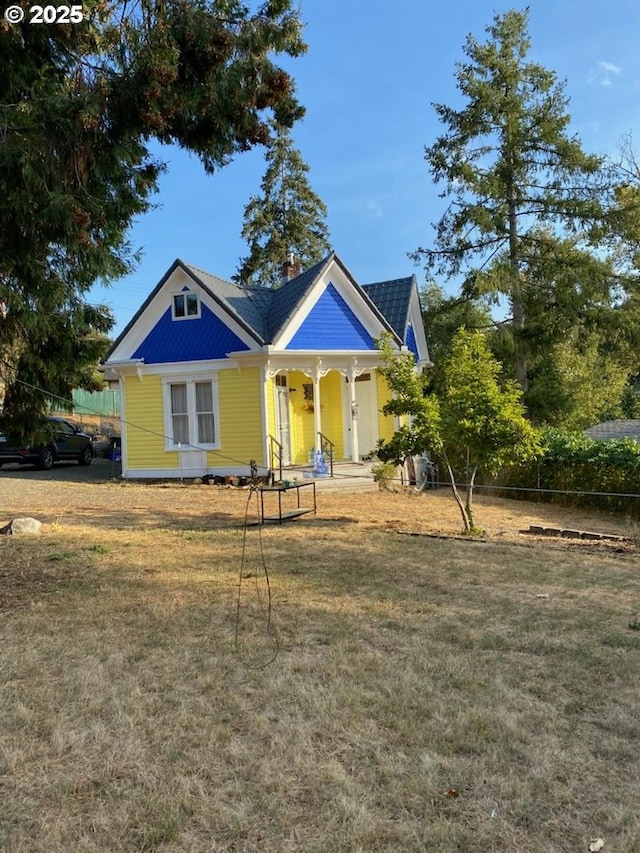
[{"x": 408, "y": 694}]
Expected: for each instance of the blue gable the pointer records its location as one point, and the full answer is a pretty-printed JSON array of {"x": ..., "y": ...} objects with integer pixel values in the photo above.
[
  {"x": 411, "y": 342},
  {"x": 331, "y": 325},
  {"x": 188, "y": 340}
]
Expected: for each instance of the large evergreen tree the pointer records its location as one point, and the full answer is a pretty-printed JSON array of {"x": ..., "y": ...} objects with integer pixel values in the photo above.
[
  {"x": 287, "y": 218},
  {"x": 80, "y": 105},
  {"x": 519, "y": 186}
]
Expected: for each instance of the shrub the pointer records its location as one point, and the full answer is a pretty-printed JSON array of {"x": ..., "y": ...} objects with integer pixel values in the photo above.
[{"x": 572, "y": 464}]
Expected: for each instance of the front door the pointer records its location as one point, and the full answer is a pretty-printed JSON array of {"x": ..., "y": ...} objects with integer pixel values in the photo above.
[
  {"x": 367, "y": 421},
  {"x": 282, "y": 410}
]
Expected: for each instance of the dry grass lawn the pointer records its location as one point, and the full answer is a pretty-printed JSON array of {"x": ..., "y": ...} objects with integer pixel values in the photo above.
[{"x": 427, "y": 694}]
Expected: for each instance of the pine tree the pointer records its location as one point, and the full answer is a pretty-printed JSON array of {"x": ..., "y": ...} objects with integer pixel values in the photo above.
[
  {"x": 81, "y": 104},
  {"x": 287, "y": 218},
  {"x": 516, "y": 179}
]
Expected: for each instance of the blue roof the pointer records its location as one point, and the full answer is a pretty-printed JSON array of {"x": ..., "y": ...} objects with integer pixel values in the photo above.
[{"x": 287, "y": 298}]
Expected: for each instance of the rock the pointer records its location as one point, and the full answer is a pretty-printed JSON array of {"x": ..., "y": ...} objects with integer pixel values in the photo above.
[{"x": 22, "y": 526}]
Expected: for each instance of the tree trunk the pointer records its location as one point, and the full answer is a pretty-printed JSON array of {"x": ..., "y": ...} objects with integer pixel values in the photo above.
[
  {"x": 466, "y": 527},
  {"x": 517, "y": 308},
  {"x": 469, "y": 501}
]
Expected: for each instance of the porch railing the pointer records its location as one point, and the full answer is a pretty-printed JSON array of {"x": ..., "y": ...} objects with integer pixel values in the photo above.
[
  {"x": 327, "y": 447},
  {"x": 275, "y": 456}
]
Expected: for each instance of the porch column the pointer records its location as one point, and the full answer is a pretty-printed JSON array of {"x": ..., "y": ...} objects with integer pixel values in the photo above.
[
  {"x": 264, "y": 375},
  {"x": 355, "y": 450},
  {"x": 317, "y": 417}
]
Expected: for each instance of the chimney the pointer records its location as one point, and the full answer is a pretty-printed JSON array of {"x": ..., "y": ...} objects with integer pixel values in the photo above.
[{"x": 290, "y": 268}]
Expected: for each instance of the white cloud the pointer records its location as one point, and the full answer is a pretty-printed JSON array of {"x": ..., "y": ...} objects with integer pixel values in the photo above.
[{"x": 607, "y": 71}]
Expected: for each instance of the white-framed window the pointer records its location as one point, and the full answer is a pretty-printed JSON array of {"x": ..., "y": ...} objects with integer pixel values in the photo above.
[
  {"x": 191, "y": 415},
  {"x": 185, "y": 306}
]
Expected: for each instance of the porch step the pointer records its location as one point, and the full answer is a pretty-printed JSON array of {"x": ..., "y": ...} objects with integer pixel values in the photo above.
[{"x": 347, "y": 476}]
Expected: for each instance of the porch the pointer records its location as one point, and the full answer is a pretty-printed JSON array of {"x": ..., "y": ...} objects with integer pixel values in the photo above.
[
  {"x": 335, "y": 410},
  {"x": 347, "y": 476}
]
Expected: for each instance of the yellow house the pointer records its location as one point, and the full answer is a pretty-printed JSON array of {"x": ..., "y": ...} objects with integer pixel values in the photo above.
[{"x": 214, "y": 375}]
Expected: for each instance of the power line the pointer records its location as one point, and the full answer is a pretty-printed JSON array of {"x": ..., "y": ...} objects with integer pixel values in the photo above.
[
  {"x": 247, "y": 464},
  {"x": 153, "y": 432}
]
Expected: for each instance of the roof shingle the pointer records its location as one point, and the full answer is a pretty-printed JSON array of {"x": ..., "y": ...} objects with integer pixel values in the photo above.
[{"x": 392, "y": 300}]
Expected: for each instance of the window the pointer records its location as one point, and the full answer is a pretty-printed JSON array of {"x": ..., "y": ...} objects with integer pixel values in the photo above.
[
  {"x": 191, "y": 411},
  {"x": 179, "y": 414},
  {"x": 185, "y": 305},
  {"x": 204, "y": 413}
]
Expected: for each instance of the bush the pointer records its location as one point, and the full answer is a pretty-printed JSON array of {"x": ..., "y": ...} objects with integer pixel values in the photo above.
[
  {"x": 383, "y": 473},
  {"x": 572, "y": 463}
]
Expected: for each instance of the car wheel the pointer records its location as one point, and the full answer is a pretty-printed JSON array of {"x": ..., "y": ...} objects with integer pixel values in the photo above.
[
  {"x": 86, "y": 457},
  {"x": 46, "y": 459}
]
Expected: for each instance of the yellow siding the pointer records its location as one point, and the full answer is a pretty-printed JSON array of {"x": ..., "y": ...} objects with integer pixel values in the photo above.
[
  {"x": 386, "y": 426},
  {"x": 301, "y": 422},
  {"x": 333, "y": 410},
  {"x": 240, "y": 398},
  {"x": 145, "y": 424},
  {"x": 271, "y": 407}
]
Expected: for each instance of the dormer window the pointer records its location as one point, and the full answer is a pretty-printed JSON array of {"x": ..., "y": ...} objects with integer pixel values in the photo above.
[{"x": 185, "y": 305}]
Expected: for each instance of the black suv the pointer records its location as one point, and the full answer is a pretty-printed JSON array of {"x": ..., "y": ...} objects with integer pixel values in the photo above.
[{"x": 67, "y": 442}]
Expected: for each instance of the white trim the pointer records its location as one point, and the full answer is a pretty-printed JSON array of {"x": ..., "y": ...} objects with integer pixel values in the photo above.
[
  {"x": 178, "y": 367},
  {"x": 171, "y": 473},
  {"x": 161, "y": 302},
  {"x": 306, "y": 360},
  {"x": 264, "y": 403},
  {"x": 417, "y": 323},
  {"x": 123, "y": 427}
]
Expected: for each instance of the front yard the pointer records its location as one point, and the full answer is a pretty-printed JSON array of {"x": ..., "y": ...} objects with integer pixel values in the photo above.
[{"x": 409, "y": 693}]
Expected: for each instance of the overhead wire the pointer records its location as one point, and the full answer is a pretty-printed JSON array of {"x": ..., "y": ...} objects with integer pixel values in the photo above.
[
  {"x": 350, "y": 476},
  {"x": 336, "y": 475},
  {"x": 132, "y": 424}
]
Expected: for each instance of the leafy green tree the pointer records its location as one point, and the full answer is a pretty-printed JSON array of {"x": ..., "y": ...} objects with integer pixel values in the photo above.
[
  {"x": 443, "y": 316},
  {"x": 475, "y": 423},
  {"x": 286, "y": 218},
  {"x": 622, "y": 236},
  {"x": 81, "y": 105},
  {"x": 580, "y": 380},
  {"x": 515, "y": 178}
]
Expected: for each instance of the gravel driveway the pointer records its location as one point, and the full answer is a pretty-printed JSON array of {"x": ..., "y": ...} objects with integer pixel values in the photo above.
[{"x": 12, "y": 474}]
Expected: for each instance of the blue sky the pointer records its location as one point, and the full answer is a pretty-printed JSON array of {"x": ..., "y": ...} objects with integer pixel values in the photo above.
[{"x": 368, "y": 81}]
